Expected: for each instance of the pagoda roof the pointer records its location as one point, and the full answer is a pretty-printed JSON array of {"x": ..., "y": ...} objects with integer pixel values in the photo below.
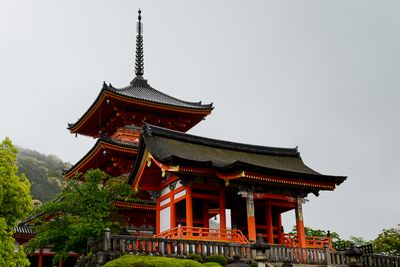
[
  {"x": 174, "y": 148},
  {"x": 140, "y": 89},
  {"x": 103, "y": 142},
  {"x": 137, "y": 95}
]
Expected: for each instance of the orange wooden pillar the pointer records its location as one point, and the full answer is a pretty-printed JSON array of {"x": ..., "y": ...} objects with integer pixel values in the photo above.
[
  {"x": 222, "y": 207},
  {"x": 300, "y": 223},
  {"x": 251, "y": 219},
  {"x": 206, "y": 219},
  {"x": 60, "y": 263},
  {"x": 280, "y": 227},
  {"x": 189, "y": 206},
  {"x": 270, "y": 230},
  {"x": 158, "y": 210},
  {"x": 40, "y": 261},
  {"x": 172, "y": 210}
]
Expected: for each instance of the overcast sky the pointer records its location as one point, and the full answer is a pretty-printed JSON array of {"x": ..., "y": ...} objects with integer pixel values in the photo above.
[{"x": 321, "y": 75}]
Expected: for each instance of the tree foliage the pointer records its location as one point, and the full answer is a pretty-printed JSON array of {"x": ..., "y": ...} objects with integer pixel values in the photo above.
[
  {"x": 82, "y": 210},
  {"x": 15, "y": 204},
  {"x": 388, "y": 242},
  {"x": 154, "y": 261},
  {"x": 337, "y": 242},
  {"x": 44, "y": 173}
]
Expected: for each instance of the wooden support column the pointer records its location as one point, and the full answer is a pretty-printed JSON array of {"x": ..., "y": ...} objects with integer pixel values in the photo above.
[
  {"x": 60, "y": 263},
  {"x": 280, "y": 227},
  {"x": 222, "y": 214},
  {"x": 40, "y": 261},
  {"x": 206, "y": 219},
  {"x": 172, "y": 210},
  {"x": 189, "y": 206},
  {"x": 158, "y": 210},
  {"x": 251, "y": 219},
  {"x": 270, "y": 230},
  {"x": 300, "y": 223}
]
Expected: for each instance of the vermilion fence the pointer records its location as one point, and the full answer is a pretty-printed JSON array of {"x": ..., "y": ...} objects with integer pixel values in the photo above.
[
  {"x": 208, "y": 234},
  {"x": 311, "y": 241}
]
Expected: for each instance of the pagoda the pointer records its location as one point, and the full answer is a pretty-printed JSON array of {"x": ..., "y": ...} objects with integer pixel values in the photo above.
[
  {"x": 185, "y": 180},
  {"x": 115, "y": 118},
  {"x": 117, "y": 114}
]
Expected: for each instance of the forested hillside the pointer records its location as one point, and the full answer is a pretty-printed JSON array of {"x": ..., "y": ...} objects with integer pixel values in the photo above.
[{"x": 43, "y": 171}]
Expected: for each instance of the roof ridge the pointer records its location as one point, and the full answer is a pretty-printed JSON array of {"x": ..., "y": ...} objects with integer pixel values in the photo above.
[
  {"x": 144, "y": 83},
  {"x": 280, "y": 151}
]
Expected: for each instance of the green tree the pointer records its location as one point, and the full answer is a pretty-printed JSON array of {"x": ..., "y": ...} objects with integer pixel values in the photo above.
[
  {"x": 388, "y": 242},
  {"x": 82, "y": 210},
  {"x": 337, "y": 242},
  {"x": 43, "y": 171},
  {"x": 15, "y": 204}
]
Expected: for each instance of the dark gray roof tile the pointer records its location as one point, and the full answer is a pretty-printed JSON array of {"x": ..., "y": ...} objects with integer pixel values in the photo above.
[{"x": 140, "y": 89}]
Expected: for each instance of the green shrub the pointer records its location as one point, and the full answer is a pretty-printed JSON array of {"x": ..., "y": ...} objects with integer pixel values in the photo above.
[
  {"x": 151, "y": 261},
  {"x": 195, "y": 257},
  {"x": 217, "y": 258},
  {"x": 212, "y": 264}
]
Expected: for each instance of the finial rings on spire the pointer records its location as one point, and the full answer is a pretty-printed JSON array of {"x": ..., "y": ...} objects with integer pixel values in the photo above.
[{"x": 139, "y": 62}]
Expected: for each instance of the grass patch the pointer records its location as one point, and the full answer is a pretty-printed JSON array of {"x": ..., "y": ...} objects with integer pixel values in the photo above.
[{"x": 154, "y": 261}]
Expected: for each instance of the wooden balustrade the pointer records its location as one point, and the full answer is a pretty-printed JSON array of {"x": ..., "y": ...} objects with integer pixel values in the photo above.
[
  {"x": 311, "y": 241},
  {"x": 368, "y": 260},
  {"x": 209, "y": 234},
  {"x": 141, "y": 245},
  {"x": 163, "y": 246},
  {"x": 296, "y": 255}
]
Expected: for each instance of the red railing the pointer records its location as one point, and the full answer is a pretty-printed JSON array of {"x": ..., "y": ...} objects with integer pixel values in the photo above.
[
  {"x": 235, "y": 235},
  {"x": 311, "y": 241},
  {"x": 208, "y": 234}
]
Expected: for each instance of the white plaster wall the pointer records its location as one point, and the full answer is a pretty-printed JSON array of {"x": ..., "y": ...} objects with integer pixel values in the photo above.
[
  {"x": 166, "y": 190},
  {"x": 165, "y": 221},
  {"x": 165, "y": 201},
  {"x": 182, "y": 193}
]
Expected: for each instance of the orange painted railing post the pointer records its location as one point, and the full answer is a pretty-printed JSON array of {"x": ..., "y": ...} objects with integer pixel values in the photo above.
[{"x": 179, "y": 231}]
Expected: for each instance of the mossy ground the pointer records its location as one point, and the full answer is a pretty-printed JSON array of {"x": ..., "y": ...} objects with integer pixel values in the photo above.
[{"x": 154, "y": 261}]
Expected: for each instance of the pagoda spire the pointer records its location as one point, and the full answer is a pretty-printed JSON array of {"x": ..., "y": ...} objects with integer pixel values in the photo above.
[{"x": 139, "y": 63}]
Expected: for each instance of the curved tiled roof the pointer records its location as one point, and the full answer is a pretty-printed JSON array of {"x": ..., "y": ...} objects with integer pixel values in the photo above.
[
  {"x": 175, "y": 148},
  {"x": 24, "y": 229},
  {"x": 102, "y": 139},
  {"x": 140, "y": 89},
  {"x": 141, "y": 93}
]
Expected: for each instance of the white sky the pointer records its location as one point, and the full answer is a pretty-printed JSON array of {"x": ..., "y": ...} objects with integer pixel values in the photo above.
[{"x": 321, "y": 75}]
